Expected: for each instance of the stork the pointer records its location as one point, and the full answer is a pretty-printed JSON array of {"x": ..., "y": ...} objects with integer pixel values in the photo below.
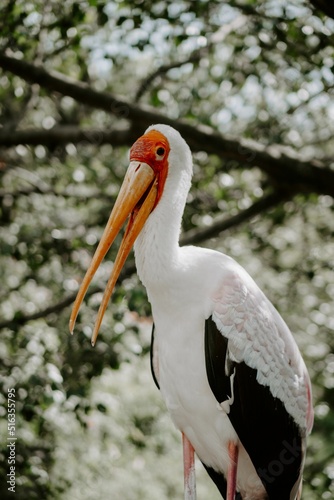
[{"x": 228, "y": 368}]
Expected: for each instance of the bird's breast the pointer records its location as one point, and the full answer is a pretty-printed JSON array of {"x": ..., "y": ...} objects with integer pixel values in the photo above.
[{"x": 184, "y": 385}]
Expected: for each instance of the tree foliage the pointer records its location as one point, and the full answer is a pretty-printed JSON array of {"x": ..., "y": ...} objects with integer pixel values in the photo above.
[{"x": 250, "y": 87}]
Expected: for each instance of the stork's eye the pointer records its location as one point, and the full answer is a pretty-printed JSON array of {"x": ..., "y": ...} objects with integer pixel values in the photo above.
[{"x": 160, "y": 153}]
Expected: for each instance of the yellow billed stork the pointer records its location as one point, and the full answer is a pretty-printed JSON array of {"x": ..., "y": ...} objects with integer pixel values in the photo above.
[{"x": 228, "y": 368}]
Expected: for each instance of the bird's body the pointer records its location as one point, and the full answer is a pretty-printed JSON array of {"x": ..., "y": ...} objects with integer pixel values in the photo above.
[
  {"x": 179, "y": 355},
  {"x": 182, "y": 302},
  {"x": 228, "y": 368}
]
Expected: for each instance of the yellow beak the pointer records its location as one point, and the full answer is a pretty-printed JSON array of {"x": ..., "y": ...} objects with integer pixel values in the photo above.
[{"x": 136, "y": 198}]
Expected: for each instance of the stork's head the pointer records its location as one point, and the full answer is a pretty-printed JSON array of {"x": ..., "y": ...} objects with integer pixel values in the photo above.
[{"x": 157, "y": 159}]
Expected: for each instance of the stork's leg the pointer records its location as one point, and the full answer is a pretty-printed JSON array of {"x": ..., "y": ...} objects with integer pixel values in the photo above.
[
  {"x": 189, "y": 469},
  {"x": 232, "y": 470}
]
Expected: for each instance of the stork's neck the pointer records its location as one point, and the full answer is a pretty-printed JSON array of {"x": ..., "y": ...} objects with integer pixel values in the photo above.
[{"x": 157, "y": 248}]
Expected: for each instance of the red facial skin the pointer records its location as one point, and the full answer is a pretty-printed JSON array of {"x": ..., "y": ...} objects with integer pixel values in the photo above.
[{"x": 153, "y": 148}]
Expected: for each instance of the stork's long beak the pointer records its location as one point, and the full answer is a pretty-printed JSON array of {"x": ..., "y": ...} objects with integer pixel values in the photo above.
[{"x": 136, "y": 199}]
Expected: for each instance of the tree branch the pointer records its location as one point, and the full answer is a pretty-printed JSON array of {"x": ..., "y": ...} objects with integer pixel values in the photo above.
[
  {"x": 61, "y": 135},
  {"x": 199, "y": 235},
  {"x": 21, "y": 319},
  {"x": 287, "y": 171}
]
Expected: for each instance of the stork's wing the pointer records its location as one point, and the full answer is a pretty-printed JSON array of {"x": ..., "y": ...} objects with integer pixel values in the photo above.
[{"x": 257, "y": 375}]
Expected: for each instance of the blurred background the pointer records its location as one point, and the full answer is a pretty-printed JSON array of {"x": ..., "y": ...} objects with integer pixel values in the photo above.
[{"x": 259, "y": 74}]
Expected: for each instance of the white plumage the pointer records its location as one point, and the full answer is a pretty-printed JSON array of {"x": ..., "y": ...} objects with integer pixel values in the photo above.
[{"x": 203, "y": 376}]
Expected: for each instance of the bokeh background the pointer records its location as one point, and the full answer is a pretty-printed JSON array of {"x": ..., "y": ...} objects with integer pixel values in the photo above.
[{"x": 250, "y": 86}]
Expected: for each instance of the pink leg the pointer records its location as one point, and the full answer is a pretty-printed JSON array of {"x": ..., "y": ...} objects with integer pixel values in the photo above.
[
  {"x": 189, "y": 469},
  {"x": 232, "y": 471}
]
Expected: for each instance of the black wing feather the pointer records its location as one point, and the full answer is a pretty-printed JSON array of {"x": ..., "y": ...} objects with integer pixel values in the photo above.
[
  {"x": 268, "y": 433},
  {"x": 220, "y": 482},
  {"x": 155, "y": 378}
]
